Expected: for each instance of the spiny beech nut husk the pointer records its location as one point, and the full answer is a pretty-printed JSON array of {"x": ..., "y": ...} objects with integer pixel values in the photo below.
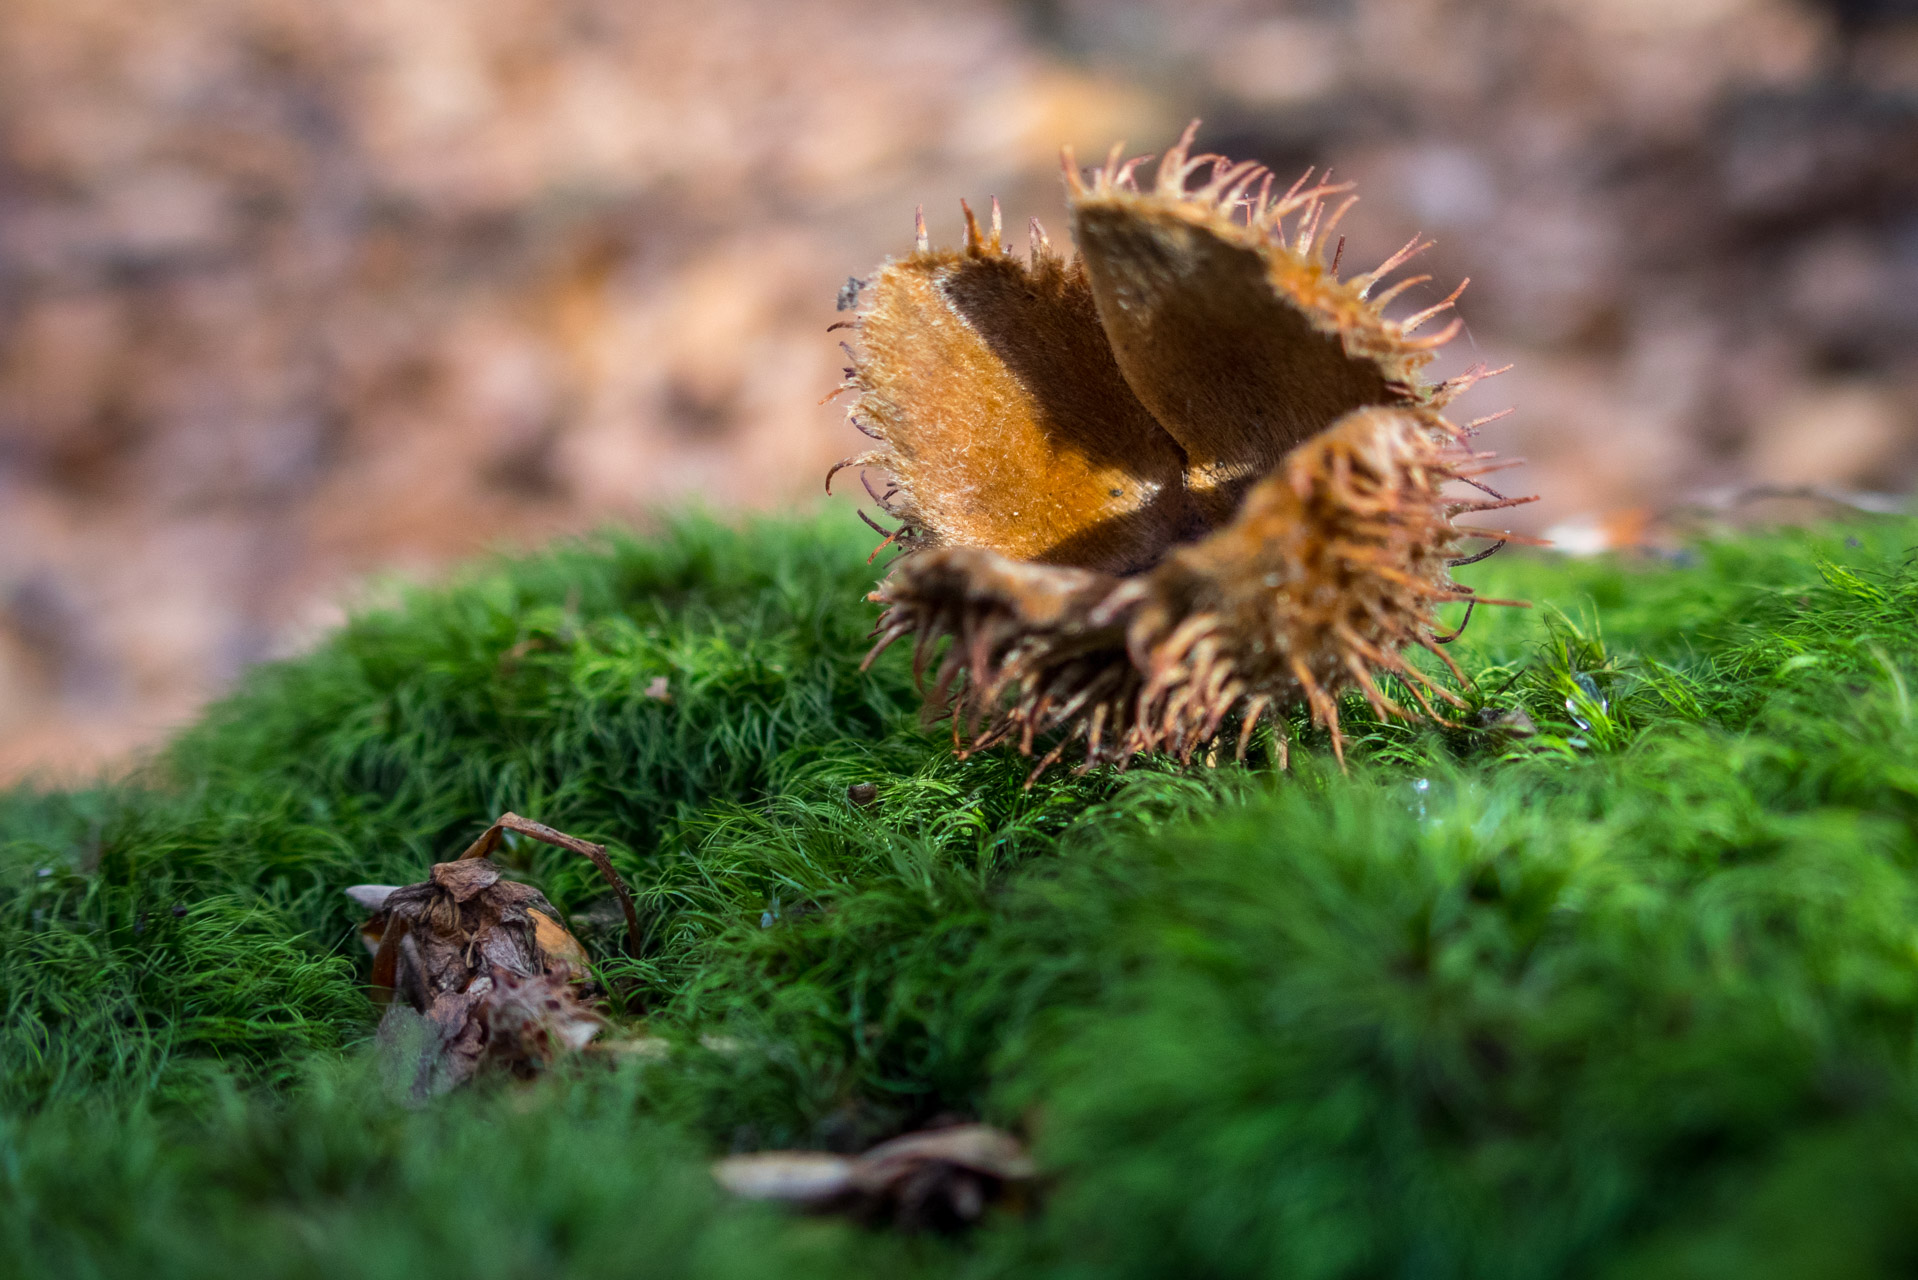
[{"x": 1186, "y": 478}]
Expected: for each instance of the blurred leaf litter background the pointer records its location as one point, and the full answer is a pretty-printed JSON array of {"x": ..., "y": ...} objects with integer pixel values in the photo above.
[{"x": 297, "y": 295}]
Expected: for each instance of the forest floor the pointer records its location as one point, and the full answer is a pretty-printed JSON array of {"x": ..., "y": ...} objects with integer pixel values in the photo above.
[{"x": 1634, "y": 993}]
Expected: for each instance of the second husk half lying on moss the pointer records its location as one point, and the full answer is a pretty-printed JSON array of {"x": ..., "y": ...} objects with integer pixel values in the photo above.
[{"x": 1184, "y": 479}]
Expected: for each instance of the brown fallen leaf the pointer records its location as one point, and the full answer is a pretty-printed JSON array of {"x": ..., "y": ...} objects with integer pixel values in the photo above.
[
  {"x": 938, "y": 1179},
  {"x": 1185, "y": 479},
  {"x": 484, "y": 962}
]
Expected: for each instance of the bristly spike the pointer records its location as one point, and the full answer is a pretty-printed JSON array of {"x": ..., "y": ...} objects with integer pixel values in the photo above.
[
  {"x": 1069, "y": 163},
  {"x": 1309, "y": 228},
  {"x": 1324, "y": 710},
  {"x": 1316, "y": 209},
  {"x": 1440, "y": 338},
  {"x": 921, "y": 241},
  {"x": 1332, "y": 224},
  {"x": 1040, "y": 243},
  {"x": 1443, "y": 393},
  {"x": 1109, "y": 171},
  {"x": 1179, "y": 165},
  {"x": 1397, "y": 289},
  {"x": 1412, "y": 322},
  {"x": 1227, "y": 176},
  {"x": 1413, "y": 248},
  {"x": 1234, "y": 194},
  {"x": 975, "y": 238},
  {"x": 998, "y": 226},
  {"x": 1127, "y": 178},
  {"x": 1309, "y": 198},
  {"x": 871, "y": 458},
  {"x": 1461, "y": 382},
  {"x": 1173, "y": 168},
  {"x": 1338, "y": 255},
  {"x": 1504, "y": 504},
  {"x": 1382, "y": 706}
]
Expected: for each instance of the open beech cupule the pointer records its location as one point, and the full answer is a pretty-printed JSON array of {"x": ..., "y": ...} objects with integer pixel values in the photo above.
[{"x": 1162, "y": 489}]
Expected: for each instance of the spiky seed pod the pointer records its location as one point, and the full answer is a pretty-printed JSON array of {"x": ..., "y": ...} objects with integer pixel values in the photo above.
[{"x": 1188, "y": 477}]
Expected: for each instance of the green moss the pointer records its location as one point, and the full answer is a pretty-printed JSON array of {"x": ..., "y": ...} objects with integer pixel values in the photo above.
[{"x": 1634, "y": 993}]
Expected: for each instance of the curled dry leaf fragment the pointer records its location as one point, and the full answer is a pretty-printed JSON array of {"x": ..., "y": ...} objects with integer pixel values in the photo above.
[
  {"x": 484, "y": 961},
  {"x": 811, "y": 1179},
  {"x": 1185, "y": 479},
  {"x": 940, "y": 1178}
]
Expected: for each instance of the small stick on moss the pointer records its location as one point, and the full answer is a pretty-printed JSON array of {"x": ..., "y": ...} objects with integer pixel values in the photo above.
[{"x": 596, "y": 853}]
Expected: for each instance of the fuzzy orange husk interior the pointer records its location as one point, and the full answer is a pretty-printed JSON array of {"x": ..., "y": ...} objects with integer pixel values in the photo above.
[{"x": 1008, "y": 423}]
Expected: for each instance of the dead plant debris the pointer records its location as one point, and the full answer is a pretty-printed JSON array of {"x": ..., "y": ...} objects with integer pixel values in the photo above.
[
  {"x": 937, "y": 1179},
  {"x": 1185, "y": 479},
  {"x": 485, "y": 962}
]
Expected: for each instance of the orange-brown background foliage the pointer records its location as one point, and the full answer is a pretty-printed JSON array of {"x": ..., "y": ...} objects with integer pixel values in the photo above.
[{"x": 296, "y": 293}]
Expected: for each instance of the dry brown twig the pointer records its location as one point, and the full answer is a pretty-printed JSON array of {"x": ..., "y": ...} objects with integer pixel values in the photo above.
[{"x": 1186, "y": 479}]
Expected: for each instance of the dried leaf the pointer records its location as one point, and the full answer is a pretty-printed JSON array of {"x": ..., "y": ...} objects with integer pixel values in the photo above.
[
  {"x": 939, "y": 1178},
  {"x": 978, "y": 1147},
  {"x": 484, "y": 962},
  {"x": 811, "y": 1179},
  {"x": 1186, "y": 479},
  {"x": 373, "y": 898}
]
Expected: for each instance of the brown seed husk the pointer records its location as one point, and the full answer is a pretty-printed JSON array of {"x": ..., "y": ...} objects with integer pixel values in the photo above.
[
  {"x": 1311, "y": 542},
  {"x": 484, "y": 962}
]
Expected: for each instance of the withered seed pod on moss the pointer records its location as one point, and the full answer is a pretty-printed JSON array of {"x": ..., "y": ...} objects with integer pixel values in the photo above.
[{"x": 1184, "y": 479}]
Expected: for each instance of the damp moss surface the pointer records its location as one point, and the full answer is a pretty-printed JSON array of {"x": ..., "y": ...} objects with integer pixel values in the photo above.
[{"x": 1626, "y": 985}]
